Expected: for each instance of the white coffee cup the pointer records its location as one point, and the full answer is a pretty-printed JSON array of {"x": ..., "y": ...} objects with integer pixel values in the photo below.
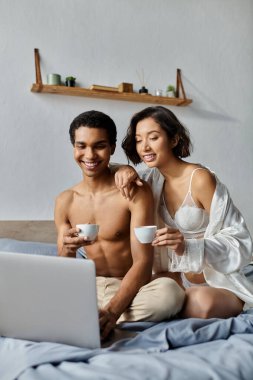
[
  {"x": 90, "y": 231},
  {"x": 145, "y": 234}
]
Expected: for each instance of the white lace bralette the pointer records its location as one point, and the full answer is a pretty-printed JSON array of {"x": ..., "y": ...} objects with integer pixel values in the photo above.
[{"x": 190, "y": 219}]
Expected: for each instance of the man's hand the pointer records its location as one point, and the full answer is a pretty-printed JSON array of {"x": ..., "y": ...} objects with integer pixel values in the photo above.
[
  {"x": 71, "y": 241},
  {"x": 107, "y": 322},
  {"x": 125, "y": 178},
  {"x": 170, "y": 237}
]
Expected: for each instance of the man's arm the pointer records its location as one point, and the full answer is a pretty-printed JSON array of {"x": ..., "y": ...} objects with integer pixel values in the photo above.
[
  {"x": 142, "y": 213},
  {"x": 68, "y": 240}
]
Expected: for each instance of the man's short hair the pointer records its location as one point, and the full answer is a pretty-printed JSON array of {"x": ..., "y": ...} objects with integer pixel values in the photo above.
[{"x": 94, "y": 119}]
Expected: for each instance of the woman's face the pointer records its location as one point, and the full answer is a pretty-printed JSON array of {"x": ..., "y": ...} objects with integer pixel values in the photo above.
[{"x": 152, "y": 143}]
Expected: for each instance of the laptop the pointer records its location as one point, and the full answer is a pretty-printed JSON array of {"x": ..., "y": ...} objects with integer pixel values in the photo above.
[{"x": 46, "y": 298}]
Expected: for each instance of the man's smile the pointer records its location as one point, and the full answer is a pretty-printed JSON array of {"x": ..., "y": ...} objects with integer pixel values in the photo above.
[{"x": 90, "y": 164}]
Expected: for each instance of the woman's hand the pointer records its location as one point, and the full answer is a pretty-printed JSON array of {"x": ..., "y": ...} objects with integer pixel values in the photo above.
[
  {"x": 170, "y": 237},
  {"x": 125, "y": 178}
]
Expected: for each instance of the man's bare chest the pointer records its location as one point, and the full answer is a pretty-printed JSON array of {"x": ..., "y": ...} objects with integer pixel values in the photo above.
[{"x": 110, "y": 212}]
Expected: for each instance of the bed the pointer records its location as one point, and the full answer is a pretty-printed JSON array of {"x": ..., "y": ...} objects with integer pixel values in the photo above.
[{"x": 177, "y": 349}]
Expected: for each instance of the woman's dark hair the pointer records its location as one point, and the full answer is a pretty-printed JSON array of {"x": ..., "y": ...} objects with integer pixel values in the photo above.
[
  {"x": 168, "y": 122},
  {"x": 94, "y": 119}
]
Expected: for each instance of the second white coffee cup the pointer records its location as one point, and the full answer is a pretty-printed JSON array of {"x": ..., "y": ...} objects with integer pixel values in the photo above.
[
  {"x": 145, "y": 234},
  {"x": 88, "y": 230}
]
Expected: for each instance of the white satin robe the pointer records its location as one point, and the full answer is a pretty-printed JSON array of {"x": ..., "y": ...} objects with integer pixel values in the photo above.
[{"x": 223, "y": 251}]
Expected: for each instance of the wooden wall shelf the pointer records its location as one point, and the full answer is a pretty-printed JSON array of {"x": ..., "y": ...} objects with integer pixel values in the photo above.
[
  {"x": 130, "y": 97},
  {"x": 125, "y": 96}
]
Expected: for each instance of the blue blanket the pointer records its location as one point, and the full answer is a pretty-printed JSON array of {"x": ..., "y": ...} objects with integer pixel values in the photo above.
[
  {"x": 179, "y": 349},
  {"x": 189, "y": 349}
]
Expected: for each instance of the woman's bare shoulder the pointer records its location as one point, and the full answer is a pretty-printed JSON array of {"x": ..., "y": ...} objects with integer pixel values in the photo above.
[
  {"x": 203, "y": 177},
  {"x": 203, "y": 187}
]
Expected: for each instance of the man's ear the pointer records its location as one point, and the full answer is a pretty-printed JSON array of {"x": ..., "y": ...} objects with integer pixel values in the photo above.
[{"x": 113, "y": 147}]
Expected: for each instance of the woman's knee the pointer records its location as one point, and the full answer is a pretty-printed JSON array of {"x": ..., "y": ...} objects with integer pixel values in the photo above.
[
  {"x": 198, "y": 303},
  {"x": 205, "y": 302}
]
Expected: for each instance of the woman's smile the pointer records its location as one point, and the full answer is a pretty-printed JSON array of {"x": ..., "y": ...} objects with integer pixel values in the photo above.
[{"x": 149, "y": 157}]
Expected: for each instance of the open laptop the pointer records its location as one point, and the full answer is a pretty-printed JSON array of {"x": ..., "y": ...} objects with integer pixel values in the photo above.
[{"x": 45, "y": 298}]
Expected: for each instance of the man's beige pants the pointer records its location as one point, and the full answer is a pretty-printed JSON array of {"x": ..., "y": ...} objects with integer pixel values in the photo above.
[{"x": 156, "y": 301}]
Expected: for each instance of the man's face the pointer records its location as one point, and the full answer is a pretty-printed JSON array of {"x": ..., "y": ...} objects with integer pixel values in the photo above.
[{"x": 92, "y": 150}]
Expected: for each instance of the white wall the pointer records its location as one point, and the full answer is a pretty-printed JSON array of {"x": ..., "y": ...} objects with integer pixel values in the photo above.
[{"x": 105, "y": 42}]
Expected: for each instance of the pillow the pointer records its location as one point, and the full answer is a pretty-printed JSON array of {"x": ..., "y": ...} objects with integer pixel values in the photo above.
[{"x": 36, "y": 248}]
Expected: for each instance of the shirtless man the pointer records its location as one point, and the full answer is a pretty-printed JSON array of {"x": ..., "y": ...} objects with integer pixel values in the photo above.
[{"x": 123, "y": 265}]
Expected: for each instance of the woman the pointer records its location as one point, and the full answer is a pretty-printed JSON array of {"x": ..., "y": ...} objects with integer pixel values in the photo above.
[{"x": 202, "y": 240}]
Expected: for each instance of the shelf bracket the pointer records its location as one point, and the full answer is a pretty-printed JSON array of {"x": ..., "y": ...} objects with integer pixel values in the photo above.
[
  {"x": 179, "y": 85},
  {"x": 37, "y": 68}
]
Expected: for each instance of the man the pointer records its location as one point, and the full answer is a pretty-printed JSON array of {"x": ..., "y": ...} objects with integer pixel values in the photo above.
[{"x": 123, "y": 265}]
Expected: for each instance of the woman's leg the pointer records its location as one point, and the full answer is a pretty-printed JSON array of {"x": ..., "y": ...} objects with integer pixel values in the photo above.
[{"x": 208, "y": 302}]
